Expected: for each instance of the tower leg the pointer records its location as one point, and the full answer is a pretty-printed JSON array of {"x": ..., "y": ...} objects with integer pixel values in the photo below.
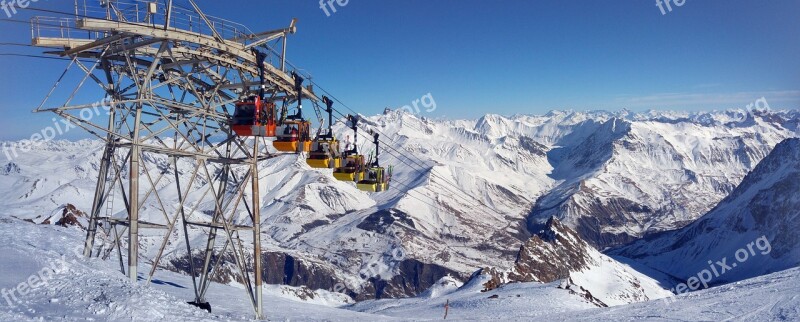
[
  {"x": 133, "y": 206},
  {"x": 257, "y": 270},
  {"x": 100, "y": 189},
  {"x": 99, "y": 199}
]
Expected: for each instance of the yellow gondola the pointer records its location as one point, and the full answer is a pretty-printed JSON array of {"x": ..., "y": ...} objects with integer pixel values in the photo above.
[
  {"x": 294, "y": 132},
  {"x": 293, "y": 136},
  {"x": 325, "y": 153},
  {"x": 376, "y": 179},
  {"x": 353, "y": 165},
  {"x": 353, "y": 169}
]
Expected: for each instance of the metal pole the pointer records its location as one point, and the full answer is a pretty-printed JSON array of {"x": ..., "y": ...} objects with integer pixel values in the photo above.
[
  {"x": 283, "y": 54},
  {"x": 133, "y": 206},
  {"x": 169, "y": 15},
  {"x": 257, "y": 270},
  {"x": 205, "y": 273},
  {"x": 100, "y": 188},
  {"x": 185, "y": 226}
]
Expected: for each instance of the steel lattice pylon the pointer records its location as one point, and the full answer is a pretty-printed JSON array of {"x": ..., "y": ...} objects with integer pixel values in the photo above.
[{"x": 169, "y": 76}]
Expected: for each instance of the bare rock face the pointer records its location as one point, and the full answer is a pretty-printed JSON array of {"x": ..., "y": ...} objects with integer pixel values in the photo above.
[
  {"x": 557, "y": 253},
  {"x": 69, "y": 217},
  {"x": 550, "y": 255},
  {"x": 413, "y": 277},
  {"x": 495, "y": 278}
]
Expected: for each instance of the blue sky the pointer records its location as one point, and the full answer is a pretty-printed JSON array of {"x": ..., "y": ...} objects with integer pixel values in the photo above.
[{"x": 501, "y": 56}]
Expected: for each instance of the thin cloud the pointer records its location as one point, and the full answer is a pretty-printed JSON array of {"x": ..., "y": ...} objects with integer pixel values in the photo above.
[
  {"x": 708, "y": 100},
  {"x": 706, "y": 86}
]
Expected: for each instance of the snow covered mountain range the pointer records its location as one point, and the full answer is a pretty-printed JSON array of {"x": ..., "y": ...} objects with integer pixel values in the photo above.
[
  {"x": 466, "y": 194},
  {"x": 750, "y": 233}
]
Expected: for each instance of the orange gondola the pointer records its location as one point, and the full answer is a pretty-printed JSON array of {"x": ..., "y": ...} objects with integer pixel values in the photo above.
[{"x": 254, "y": 117}]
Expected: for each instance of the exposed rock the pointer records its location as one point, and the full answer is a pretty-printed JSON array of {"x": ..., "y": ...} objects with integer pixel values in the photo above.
[
  {"x": 550, "y": 255},
  {"x": 413, "y": 278},
  {"x": 381, "y": 220},
  {"x": 285, "y": 269},
  {"x": 69, "y": 217},
  {"x": 570, "y": 286},
  {"x": 558, "y": 253},
  {"x": 496, "y": 278},
  {"x": 9, "y": 169},
  {"x": 532, "y": 146},
  {"x": 279, "y": 269}
]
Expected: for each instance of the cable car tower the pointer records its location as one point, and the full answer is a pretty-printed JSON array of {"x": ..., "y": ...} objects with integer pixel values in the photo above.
[{"x": 170, "y": 78}]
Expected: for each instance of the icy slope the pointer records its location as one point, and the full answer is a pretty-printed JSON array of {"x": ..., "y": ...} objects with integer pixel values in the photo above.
[{"x": 753, "y": 231}]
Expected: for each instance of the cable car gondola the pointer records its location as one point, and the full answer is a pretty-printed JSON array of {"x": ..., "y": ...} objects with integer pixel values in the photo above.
[
  {"x": 294, "y": 132},
  {"x": 293, "y": 136},
  {"x": 325, "y": 151},
  {"x": 376, "y": 178},
  {"x": 253, "y": 116},
  {"x": 353, "y": 163}
]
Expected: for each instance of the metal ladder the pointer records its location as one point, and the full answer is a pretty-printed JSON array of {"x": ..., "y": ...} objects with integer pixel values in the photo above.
[{"x": 108, "y": 240}]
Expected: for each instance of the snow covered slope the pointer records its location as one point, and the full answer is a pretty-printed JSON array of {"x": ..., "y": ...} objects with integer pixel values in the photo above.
[
  {"x": 511, "y": 302},
  {"x": 772, "y": 297},
  {"x": 74, "y": 288},
  {"x": 753, "y": 231},
  {"x": 60, "y": 284}
]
